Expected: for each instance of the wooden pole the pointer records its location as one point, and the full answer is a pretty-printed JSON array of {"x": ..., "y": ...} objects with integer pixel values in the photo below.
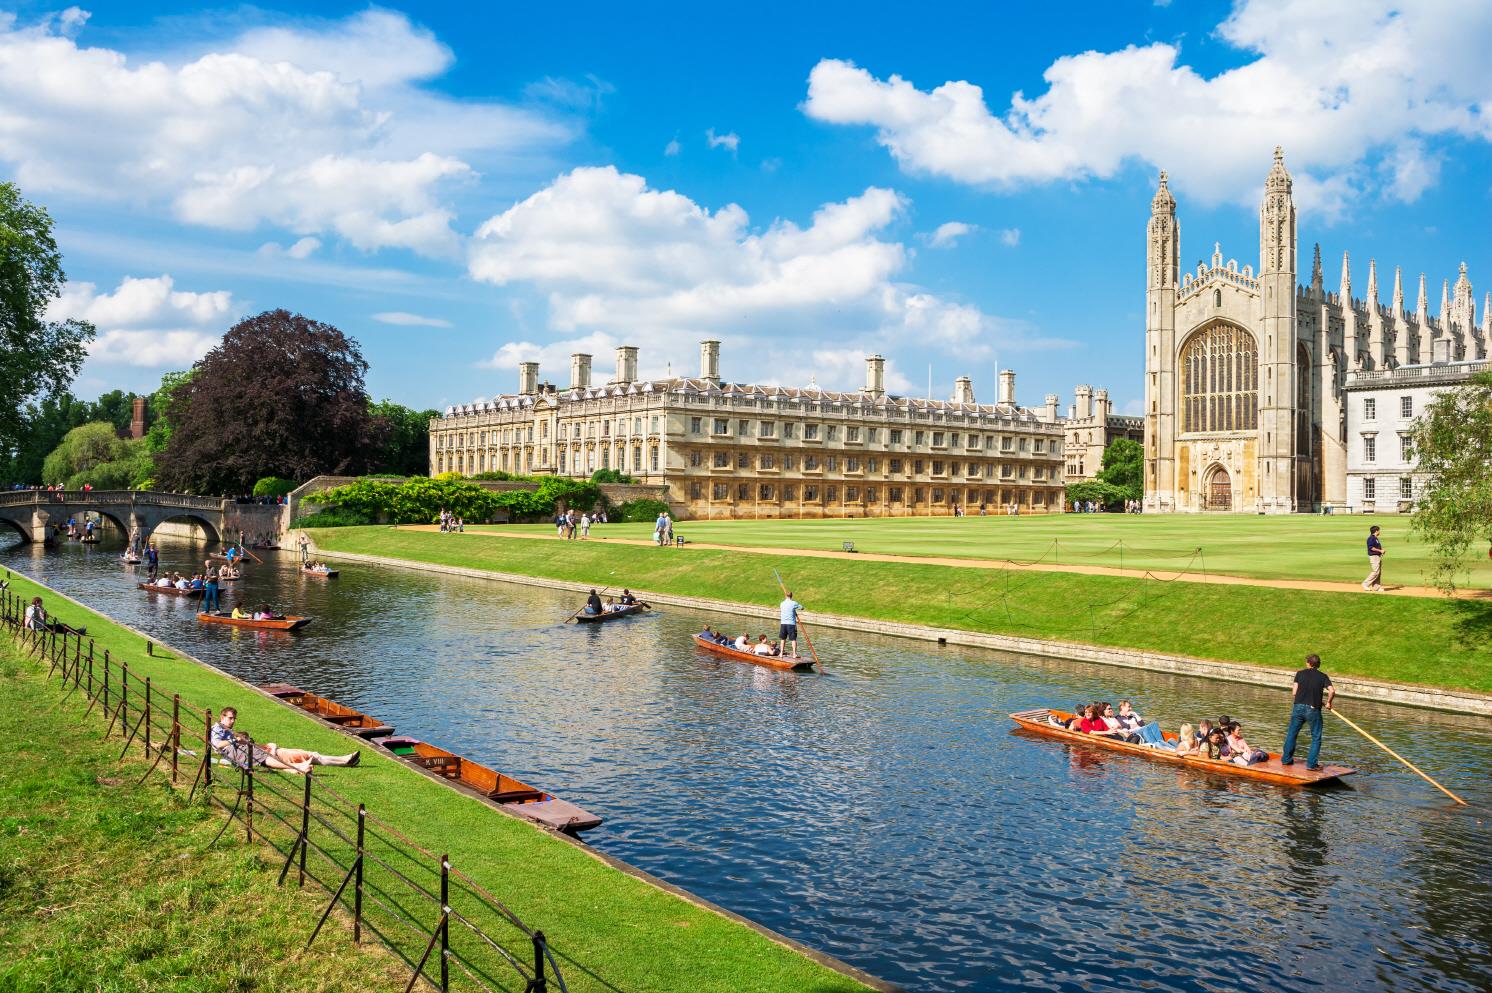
[
  {"x": 1419, "y": 772},
  {"x": 813, "y": 654}
]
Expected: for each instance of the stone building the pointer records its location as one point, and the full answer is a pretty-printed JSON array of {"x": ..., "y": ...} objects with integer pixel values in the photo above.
[
  {"x": 1090, "y": 428},
  {"x": 1245, "y": 372},
  {"x": 735, "y": 450}
]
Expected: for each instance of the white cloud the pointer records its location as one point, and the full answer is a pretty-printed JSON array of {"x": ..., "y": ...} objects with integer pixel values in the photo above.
[
  {"x": 1336, "y": 82},
  {"x": 673, "y": 147},
  {"x": 730, "y": 140},
  {"x": 948, "y": 234},
  {"x": 1010, "y": 237},
  {"x": 576, "y": 95},
  {"x": 403, "y": 319},
  {"x": 317, "y": 129},
  {"x": 147, "y": 322},
  {"x": 302, "y": 249}
]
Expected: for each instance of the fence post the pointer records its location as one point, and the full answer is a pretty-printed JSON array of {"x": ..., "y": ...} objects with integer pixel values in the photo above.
[
  {"x": 77, "y": 657},
  {"x": 538, "y": 984},
  {"x": 90, "y": 668},
  {"x": 445, "y": 922},
  {"x": 147, "y": 716},
  {"x": 357, "y": 891},
  {"x": 305, "y": 828},
  {"x": 207, "y": 750},
  {"x": 106, "y": 680},
  {"x": 249, "y": 809},
  {"x": 124, "y": 691},
  {"x": 175, "y": 733}
]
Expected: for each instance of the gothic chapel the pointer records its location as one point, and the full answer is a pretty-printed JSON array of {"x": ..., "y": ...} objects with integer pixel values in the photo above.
[{"x": 1244, "y": 372}]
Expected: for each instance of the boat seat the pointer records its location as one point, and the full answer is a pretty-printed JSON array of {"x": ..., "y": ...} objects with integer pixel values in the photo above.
[{"x": 516, "y": 796}]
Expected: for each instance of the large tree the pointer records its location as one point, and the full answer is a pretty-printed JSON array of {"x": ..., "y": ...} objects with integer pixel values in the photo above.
[
  {"x": 406, "y": 447},
  {"x": 38, "y": 357},
  {"x": 1453, "y": 448},
  {"x": 1124, "y": 466},
  {"x": 281, "y": 395}
]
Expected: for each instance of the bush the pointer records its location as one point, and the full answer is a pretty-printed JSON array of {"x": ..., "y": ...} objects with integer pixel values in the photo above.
[
  {"x": 1111, "y": 496},
  {"x": 274, "y": 486},
  {"x": 611, "y": 476},
  {"x": 335, "y": 517},
  {"x": 644, "y": 509},
  {"x": 420, "y": 500}
]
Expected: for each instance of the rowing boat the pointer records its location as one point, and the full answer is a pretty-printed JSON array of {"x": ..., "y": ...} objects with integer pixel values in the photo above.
[
  {"x": 323, "y": 573},
  {"x": 330, "y": 711},
  {"x": 611, "y": 615},
  {"x": 1271, "y": 771},
  {"x": 169, "y": 590},
  {"x": 496, "y": 787},
  {"x": 770, "y": 661},
  {"x": 287, "y": 623}
]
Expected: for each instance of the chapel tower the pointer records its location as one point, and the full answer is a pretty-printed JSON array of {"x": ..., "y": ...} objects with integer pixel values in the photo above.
[
  {"x": 1283, "y": 469},
  {"x": 1162, "y": 266}
]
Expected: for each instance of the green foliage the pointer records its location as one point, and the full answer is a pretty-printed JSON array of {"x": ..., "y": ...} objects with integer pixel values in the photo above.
[
  {"x": 274, "y": 486},
  {"x": 1453, "y": 445},
  {"x": 1124, "y": 467},
  {"x": 81, "y": 450},
  {"x": 405, "y": 450},
  {"x": 161, "y": 427},
  {"x": 1100, "y": 492},
  {"x": 644, "y": 509},
  {"x": 420, "y": 500},
  {"x": 611, "y": 476},
  {"x": 334, "y": 517},
  {"x": 493, "y": 475}
]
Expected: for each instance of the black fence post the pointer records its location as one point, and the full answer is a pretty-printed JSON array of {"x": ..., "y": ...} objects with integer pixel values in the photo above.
[
  {"x": 90, "y": 668},
  {"x": 106, "y": 680},
  {"x": 539, "y": 984},
  {"x": 147, "y": 716},
  {"x": 305, "y": 828},
  {"x": 445, "y": 922},
  {"x": 357, "y": 891},
  {"x": 175, "y": 733},
  {"x": 249, "y": 773}
]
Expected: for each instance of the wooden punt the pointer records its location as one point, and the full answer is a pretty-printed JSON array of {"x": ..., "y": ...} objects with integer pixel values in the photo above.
[
  {"x": 168, "y": 590},
  {"x": 611, "y": 615},
  {"x": 1271, "y": 771},
  {"x": 130, "y": 560},
  {"x": 330, "y": 711},
  {"x": 323, "y": 573},
  {"x": 230, "y": 577},
  {"x": 496, "y": 787},
  {"x": 287, "y": 623},
  {"x": 802, "y": 664}
]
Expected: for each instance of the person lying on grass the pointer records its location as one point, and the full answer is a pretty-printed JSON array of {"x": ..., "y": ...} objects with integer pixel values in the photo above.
[{"x": 236, "y": 747}]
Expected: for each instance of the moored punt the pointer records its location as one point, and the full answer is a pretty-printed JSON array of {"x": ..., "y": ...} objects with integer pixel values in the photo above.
[
  {"x": 168, "y": 590},
  {"x": 1270, "y": 771},
  {"x": 770, "y": 661},
  {"x": 287, "y": 623},
  {"x": 330, "y": 711},
  {"x": 611, "y": 615},
  {"x": 496, "y": 787}
]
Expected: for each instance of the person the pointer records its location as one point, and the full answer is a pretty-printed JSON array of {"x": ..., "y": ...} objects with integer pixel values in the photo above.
[
  {"x": 627, "y": 597},
  {"x": 788, "y": 630},
  {"x": 236, "y": 745},
  {"x": 1214, "y": 746},
  {"x": 210, "y": 603},
  {"x": 183, "y": 583},
  {"x": 1093, "y": 722},
  {"x": 36, "y": 615},
  {"x": 559, "y": 525},
  {"x": 1312, "y": 693},
  {"x": 1146, "y": 732},
  {"x": 1186, "y": 740},
  {"x": 668, "y": 530},
  {"x": 762, "y": 646},
  {"x": 1374, "y": 582},
  {"x": 198, "y": 582},
  {"x": 743, "y": 642},
  {"x": 153, "y": 559},
  {"x": 660, "y": 527},
  {"x": 1240, "y": 751},
  {"x": 593, "y": 603},
  {"x": 585, "y": 526},
  {"x": 612, "y": 605},
  {"x": 706, "y": 634},
  {"x": 238, "y": 612},
  {"x": 1121, "y": 733}
]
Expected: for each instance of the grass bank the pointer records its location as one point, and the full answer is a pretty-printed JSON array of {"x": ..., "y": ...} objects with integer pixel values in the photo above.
[
  {"x": 627, "y": 933},
  {"x": 1294, "y": 547},
  {"x": 106, "y": 885},
  {"x": 1430, "y": 642}
]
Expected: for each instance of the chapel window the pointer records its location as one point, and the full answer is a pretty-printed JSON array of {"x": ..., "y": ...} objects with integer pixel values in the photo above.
[{"x": 1220, "y": 381}]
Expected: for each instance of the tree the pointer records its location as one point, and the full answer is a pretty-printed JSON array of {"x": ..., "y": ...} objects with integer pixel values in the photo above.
[
  {"x": 38, "y": 357},
  {"x": 1111, "y": 496},
  {"x": 118, "y": 408},
  {"x": 1453, "y": 448},
  {"x": 1124, "y": 466},
  {"x": 281, "y": 395},
  {"x": 43, "y": 423},
  {"x": 159, "y": 434},
  {"x": 406, "y": 450},
  {"x": 82, "y": 449}
]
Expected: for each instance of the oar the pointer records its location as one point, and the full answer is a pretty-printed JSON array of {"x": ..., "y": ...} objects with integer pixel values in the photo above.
[
  {"x": 1419, "y": 772},
  {"x": 806, "y": 638}
]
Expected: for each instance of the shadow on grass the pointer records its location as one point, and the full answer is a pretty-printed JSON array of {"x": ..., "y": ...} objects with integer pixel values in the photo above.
[{"x": 1473, "y": 624}]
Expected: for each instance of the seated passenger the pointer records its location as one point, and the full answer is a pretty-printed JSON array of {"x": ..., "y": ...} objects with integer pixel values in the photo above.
[
  {"x": 1120, "y": 733},
  {"x": 1186, "y": 740},
  {"x": 1093, "y": 722},
  {"x": 182, "y": 583},
  {"x": 1204, "y": 730},
  {"x": 1239, "y": 750},
  {"x": 197, "y": 583},
  {"x": 164, "y": 581},
  {"x": 238, "y": 613},
  {"x": 762, "y": 646},
  {"x": 1128, "y": 719},
  {"x": 1213, "y": 746},
  {"x": 706, "y": 634},
  {"x": 742, "y": 643}
]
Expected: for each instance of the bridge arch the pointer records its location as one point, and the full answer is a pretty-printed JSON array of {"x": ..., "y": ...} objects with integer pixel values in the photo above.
[
  {"x": 11, "y": 524},
  {"x": 214, "y": 534}
]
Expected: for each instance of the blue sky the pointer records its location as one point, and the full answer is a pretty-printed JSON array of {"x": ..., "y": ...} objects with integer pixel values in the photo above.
[{"x": 461, "y": 187}]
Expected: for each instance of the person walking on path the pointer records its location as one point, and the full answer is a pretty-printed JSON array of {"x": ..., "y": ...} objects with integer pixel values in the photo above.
[
  {"x": 789, "y": 616},
  {"x": 660, "y": 528},
  {"x": 1374, "y": 582},
  {"x": 1312, "y": 692}
]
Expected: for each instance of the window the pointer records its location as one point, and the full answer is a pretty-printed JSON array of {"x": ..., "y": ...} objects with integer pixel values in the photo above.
[
  {"x": 768, "y": 429},
  {"x": 1007, "y": 444},
  {"x": 810, "y": 462},
  {"x": 743, "y": 491},
  {"x": 1406, "y": 448},
  {"x": 1406, "y": 407},
  {"x": 787, "y": 430},
  {"x": 870, "y": 434},
  {"x": 1020, "y": 472},
  {"x": 1369, "y": 448},
  {"x": 743, "y": 461},
  {"x": 874, "y": 465},
  {"x": 973, "y": 441},
  {"x": 831, "y": 432},
  {"x": 895, "y": 465},
  {"x": 790, "y": 461},
  {"x": 606, "y": 428},
  {"x": 851, "y": 434},
  {"x": 767, "y": 461},
  {"x": 937, "y": 467},
  {"x": 920, "y": 438},
  {"x": 696, "y": 491},
  {"x": 810, "y": 432},
  {"x": 916, "y": 467},
  {"x": 722, "y": 460},
  {"x": 764, "y": 491},
  {"x": 606, "y": 457},
  {"x": 852, "y": 493},
  {"x": 722, "y": 426},
  {"x": 1039, "y": 446},
  {"x": 654, "y": 422},
  {"x": 937, "y": 438},
  {"x": 654, "y": 457},
  {"x": 870, "y": 494},
  {"x": 743, "y": 428},
  {"x": 896, "y": 436},
  {"x": 719, "y": 491},
  {"x": 696, "y": 424},
  {"x": 789, "y": 493},
  {"x": 937, "y": 495},
  {"x": 694, "y": 458},
  {"x": 832, "y": 463},
  {"x": 974, "y": 470},
  {"x": 810, "y": 492},
  {"x": 1368, "y": 488},
  {"x": 851, "y": 465},
  {"x": 1369, "y": 409},
  {"x": 831, "y": 493},
  {"x": 953, "y": 439},
  {"x": 989, "y": 443},
  {"x": 894, "y": 494},
  {"x": 1006, "y": 471},
  {"x": 1025, "y": 444},
  {"x": 1406, "y": 488},
  {"x": 1039, "y": 473},
  {"x": 561, "y": 461},
  {"x": 1220, "y": 380}
]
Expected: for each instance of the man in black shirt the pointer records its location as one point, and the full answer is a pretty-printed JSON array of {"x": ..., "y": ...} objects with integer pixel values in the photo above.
[
  {"x": 1313, "y": 692},
  {"x": 1374, "y": 582}
]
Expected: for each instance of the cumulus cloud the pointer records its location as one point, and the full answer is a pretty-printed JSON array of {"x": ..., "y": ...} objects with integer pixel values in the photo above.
[
  {"x": 400, "y": 318},
  {"x": 729, "y": 141},
  {"x": 1338, "y": 83},
  {"x": 318, "y": 129},
  {"x": 673, "y": 147},
  {"x": 948, "y": 234},
  {"x": 147, "y": 322}
]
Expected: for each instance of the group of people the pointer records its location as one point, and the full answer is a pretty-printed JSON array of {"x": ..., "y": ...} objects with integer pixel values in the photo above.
[
  {"x": 239, "y": 749},
  {"x": 663, "y": 530},
  {"x": 450, "y": 523},
  {"x": 570, "y": 525},
  {"x": 594, "y": 606},
  {"x": 1100, "y": 507},
  {"x": 743, "y": 643}
]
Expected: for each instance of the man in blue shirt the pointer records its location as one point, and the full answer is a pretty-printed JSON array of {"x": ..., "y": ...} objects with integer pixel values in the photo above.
[
  {"x": 1374, "y": 582},
  {"x": 789, "y": 630}
]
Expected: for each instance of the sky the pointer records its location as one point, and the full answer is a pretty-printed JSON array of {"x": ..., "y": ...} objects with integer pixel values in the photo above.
[{"x": 958, "y": 187}]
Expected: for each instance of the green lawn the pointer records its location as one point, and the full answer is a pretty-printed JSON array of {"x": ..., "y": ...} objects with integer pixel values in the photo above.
[
  {"x": 1430, "y": 641},
  {"x": 630, "y": 934},
  {"x": 1287, "y": 547}
]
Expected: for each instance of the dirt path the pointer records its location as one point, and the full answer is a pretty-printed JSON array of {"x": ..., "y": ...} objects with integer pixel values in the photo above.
[{"x": 1210, "y": 578}]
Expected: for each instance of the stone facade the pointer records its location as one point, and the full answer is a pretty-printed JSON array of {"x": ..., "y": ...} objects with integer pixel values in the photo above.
[
  {"x": 735, "y": 450},
  {"x": 1090, "y": 428},
  {"x": 1245, "y": 373}
]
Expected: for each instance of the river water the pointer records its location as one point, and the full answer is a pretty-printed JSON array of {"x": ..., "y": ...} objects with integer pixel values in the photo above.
[{"x": 887, "y": 813}]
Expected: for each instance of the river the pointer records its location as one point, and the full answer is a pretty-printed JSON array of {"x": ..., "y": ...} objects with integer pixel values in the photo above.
[{"x": 886, "y": 812}]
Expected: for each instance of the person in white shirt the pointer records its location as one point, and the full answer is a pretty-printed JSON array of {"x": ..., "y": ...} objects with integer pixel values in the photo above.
[
  {"x": 788, "y": 615},
  {"x": 743, "y": 643},
  {"x": 763, "y": 646},
  {"x": 36, "y": 617},
  {"x": 182, "y": 583}
]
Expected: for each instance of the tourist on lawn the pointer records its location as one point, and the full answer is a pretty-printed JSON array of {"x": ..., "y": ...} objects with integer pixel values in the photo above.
[
  {"x": 660, "y": 528},
  {"x": 36, "y": 615},
  {"x": 1374, "y": 582},
  {"x": 585, "y": 526},
  {"x": 788, "y": 617},
  {"x": 235, "y": 746},
  {"x": 1312, "y": 693}
]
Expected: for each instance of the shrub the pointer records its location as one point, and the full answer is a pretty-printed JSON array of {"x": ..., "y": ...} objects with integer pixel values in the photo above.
[
  {"x": 420, "y": 500},
  {"x": 1111, "y": 496},
  {"x": 611, "y": 476},
  {"x": 274, "y": 486},
  {"x": 644, "y": 509},
  {"x": 334, "y": 517}
]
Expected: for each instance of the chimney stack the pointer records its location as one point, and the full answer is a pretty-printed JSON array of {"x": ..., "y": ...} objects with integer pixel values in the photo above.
[
  {"x": 709, "y": 360},
  {"x": 1101, "y": 405},
  {"x": 875, "y": 376},
  {"x": 626, "y": 364},
  {"x": 528, "y": 378},
  {"x": 1050, "y": 415},
  {"x": 137, "y": 418},
  {"x": 1007, "y": 386},
  {"x": 963, "y": 390},
  {"x": 1083, "y": 395},
  {"x": 580, "y": 371}
]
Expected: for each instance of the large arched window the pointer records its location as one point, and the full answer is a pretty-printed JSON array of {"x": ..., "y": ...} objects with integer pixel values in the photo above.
[{"x": 1220, "y": 381}]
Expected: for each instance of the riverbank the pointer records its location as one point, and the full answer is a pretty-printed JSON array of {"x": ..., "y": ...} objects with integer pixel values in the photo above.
[
  {"x": 1435, "y": 644},
  {"x": 106, "y": 884},
  {"x": 630, "y": 932}
]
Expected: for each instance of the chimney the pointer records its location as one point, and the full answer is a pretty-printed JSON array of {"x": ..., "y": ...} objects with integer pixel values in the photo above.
[
  {"x": 528, "y": 378},
  {"x": 1050, "y": 415},
  {"x": 137, "y": 418},
  {"x": 626, "y": 364},
  {"x": 580, "y": 371},
  {"x": 963, "y": 390},
  {"x": 1007, "y": 386},
  {"x": 1101, "y": 405},
  {"x": 875, "y": 376},
  {"x": 709, "y": 361},
  {"x": 1084, "y": 397}
]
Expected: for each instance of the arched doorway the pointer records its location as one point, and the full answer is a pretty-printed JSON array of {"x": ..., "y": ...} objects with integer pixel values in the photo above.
[{"x": 1217, "y": 491}]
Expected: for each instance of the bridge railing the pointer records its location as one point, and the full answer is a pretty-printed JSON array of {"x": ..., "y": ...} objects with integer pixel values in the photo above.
[{"x": 110, "y": 498}]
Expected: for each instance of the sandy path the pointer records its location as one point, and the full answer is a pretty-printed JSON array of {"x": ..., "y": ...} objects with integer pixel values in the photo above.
[{"x": 1210, "y": 578}]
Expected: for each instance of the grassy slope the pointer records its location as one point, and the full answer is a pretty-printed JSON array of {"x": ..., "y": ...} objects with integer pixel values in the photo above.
[
  {"x": 108, "y": 886},
  {"x": 1410, "y": 639},
  {"x": 1295, "y": 547},
  {"x": 635, "y": 936}
]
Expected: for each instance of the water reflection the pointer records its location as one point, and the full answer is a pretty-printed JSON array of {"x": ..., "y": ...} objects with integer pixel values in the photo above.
[{"x": 887, "y": 812}]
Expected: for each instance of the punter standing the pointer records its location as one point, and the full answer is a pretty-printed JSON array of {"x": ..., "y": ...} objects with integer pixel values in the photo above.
[
  {"x": 1313, "y": 693},
  {"x": 1374, "y": 582},
  {"x": 789, "y": 630}
]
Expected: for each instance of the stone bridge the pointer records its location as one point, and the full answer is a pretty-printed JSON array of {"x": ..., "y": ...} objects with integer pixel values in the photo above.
[{"x": 33, "y": 512}]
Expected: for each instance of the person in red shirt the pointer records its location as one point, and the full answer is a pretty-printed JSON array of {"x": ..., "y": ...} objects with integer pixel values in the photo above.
[{"x": 1093, "y": 722}]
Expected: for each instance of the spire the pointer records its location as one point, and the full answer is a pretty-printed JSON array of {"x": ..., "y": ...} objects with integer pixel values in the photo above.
[
  {"x": 1346, "y": 290},
  {"x": 1163, "y": 202},
  {"x": 1422, "y": 307},
  {"x": 1487, "y": 316},
  {"x": 1398, "y": 304},
  {"x": 1445, "y": 303},
  {"x": 1372, "y": 286},
  {"x": 1316, "y": 270},
  {"x": 1279, "y": 176}
]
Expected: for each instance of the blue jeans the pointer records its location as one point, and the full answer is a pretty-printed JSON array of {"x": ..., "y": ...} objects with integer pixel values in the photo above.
[
  {"x": 210, "y": 599},
  {"x": 1300, "y": 714}
]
